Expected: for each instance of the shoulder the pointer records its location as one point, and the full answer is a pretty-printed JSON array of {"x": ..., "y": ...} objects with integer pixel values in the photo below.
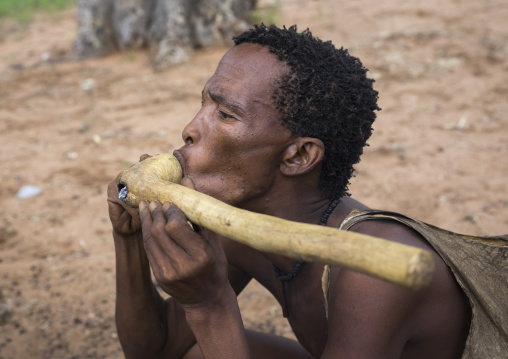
[
  {"x": 391, "y": 230},
  {"x": 368, "y": 315}
]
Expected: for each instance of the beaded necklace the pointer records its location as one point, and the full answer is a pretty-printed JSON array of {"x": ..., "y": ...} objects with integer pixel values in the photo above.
[{"x": 285, "y": 278}]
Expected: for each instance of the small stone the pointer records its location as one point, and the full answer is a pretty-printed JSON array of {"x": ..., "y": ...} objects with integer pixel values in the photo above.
[
  {"x": 17, "y": 66},
  {"x": 28, "y": 191},
  {"x": 85, "y": 127},
  {"x": 46, "y": 56},
  {"x": 71, "y": 155},
  {"x": 88, "y": 84},
  {"x": 97, "y": 138}
]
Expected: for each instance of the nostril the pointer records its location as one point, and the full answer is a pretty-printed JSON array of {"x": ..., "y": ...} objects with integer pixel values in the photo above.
[{"x": 189, "y": 140}]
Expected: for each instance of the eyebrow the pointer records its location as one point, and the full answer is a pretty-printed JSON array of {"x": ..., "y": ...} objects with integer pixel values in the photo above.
[{"x": 227, "y": 102}]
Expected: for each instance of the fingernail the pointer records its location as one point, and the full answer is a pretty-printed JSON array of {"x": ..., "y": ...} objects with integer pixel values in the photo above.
[
  {"x": 152, "y": 206},
  {"x": 142, "y": 205},
  {"x": 166, "y": 205}
]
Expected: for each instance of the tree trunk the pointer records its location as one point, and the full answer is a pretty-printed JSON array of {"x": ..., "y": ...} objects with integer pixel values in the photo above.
[{"x": 170, "y": 29}]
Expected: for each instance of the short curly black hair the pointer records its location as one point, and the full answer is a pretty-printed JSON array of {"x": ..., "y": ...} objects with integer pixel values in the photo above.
[{"x": 325, "y": 95}]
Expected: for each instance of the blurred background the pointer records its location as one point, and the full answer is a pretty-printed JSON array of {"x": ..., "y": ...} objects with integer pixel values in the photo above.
[{"x": 68, "y": 127}]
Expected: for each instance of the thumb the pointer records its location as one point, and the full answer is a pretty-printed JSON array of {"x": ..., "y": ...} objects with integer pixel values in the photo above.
[{"x": 187, "y": 182}]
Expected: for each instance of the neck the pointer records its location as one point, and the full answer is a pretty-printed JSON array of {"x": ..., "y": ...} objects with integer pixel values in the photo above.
[
  {"x": 314, "y": 213},
  {"x": 300, "y": 206},
  {"x": 298, "y": 200}
]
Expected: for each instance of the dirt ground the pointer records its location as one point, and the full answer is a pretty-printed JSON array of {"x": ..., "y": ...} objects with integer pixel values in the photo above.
[{"x": 439, "y": 151}]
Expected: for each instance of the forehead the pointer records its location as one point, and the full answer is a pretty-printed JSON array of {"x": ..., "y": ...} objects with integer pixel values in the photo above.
[{"x": 247, "y": 72}]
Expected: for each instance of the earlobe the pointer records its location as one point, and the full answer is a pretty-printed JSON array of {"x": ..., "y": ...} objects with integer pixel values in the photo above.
[{"x": 302, "y": 156}]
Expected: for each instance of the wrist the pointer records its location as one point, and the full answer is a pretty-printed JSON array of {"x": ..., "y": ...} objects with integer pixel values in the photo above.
[
  {"x": 223, "y": 303},
  {"x": 129, "y": 248},
  {"x": 218, "y": 327}
]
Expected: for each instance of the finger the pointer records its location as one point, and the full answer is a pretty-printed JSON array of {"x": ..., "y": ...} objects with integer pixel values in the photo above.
[
  {"x": 181, "y": 233},
  {"x": 115, "y": 205},
  {"x": 143, "y": 157},
  {"x": 145, "y": 217},
  {"x": 119, "y": 211},
  {"x": 133, "y": 212},
  {"x": 156, "y": 257},
  {"x": 187, "y": 182},
  {"x": 113, "y": 188},
  {"x": 115, "y": 210},
  {"x": 194, "y": 226},
  {"x": 172, "y": 212},
  {"x": 163, "y": 237}
]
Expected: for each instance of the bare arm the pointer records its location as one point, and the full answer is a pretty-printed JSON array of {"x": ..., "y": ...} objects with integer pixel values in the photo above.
[
  {"x": 366, "y": 317},
  {"x": 141, "y": 314},
  {"x": 371, "y": 318},
  {"x": 192, "y": 267}
]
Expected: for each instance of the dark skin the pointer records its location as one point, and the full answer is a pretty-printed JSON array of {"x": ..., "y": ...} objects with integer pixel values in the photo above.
[{"x": 237, "y": 151}]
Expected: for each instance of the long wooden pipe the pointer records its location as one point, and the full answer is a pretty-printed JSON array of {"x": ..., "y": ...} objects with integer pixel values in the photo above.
[{"x": 157, "y": 178}]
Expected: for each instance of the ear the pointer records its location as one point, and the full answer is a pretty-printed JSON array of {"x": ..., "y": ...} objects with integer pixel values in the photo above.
[{"x": 302, "y": 156}]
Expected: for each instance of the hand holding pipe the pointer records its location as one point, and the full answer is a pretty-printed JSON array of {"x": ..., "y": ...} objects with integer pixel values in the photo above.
[{"x": 157, "y": 178}]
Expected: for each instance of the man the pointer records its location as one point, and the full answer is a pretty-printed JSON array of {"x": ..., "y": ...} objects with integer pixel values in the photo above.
[{"x": 283, "y": 120}]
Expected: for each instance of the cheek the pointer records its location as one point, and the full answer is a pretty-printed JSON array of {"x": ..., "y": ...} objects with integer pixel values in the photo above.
[
  {"x": 217, "y": 156},
  {"x": 228, "y": 148}
]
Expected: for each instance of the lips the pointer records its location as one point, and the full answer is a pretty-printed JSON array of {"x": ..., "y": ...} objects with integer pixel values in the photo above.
[{"x": 182, "y": 162}]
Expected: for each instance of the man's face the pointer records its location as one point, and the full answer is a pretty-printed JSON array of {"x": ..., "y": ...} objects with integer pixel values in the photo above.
[{"x": 234, "y": 144}]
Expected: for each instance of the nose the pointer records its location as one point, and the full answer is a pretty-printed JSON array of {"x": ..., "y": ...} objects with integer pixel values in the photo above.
[{"x": 191, "y": 132}]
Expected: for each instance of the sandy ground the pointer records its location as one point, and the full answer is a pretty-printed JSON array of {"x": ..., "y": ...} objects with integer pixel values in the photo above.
[{"x": 439, "y": 151}]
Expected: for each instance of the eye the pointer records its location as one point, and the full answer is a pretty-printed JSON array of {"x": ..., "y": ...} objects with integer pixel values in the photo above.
[{"x": 225, "y": 116}]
